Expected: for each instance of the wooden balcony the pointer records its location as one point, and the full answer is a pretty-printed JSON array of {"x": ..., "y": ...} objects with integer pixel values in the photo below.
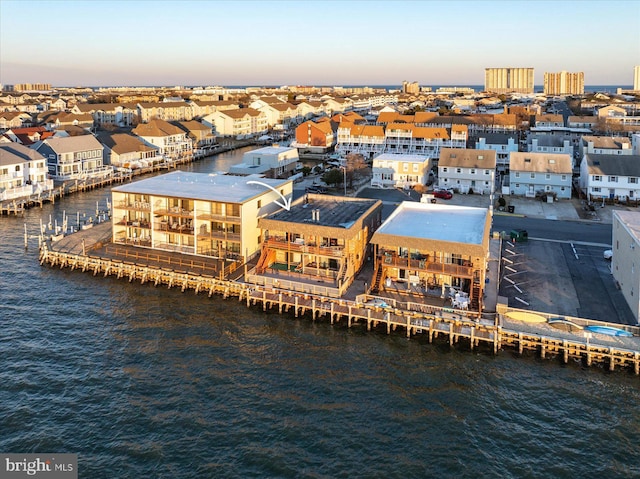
[
  {"x": 175, "y": 211},
  {"x": 322, "y": 250},
  {"x": 218, "y": 217},
  {"x": 464, "y": 270}
]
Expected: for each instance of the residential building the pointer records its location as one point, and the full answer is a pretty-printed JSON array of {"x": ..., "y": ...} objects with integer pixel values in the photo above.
[
  {"x": 119, "y": 114},
  {"x": 467, "y": 171},
  {"x": 636, "y": 78},
  {"x": 582, "y": 122},
  {"x": 74, "y": 157},
  {"x": 122, "y": 150},
  {"x": 28, "y": 136},
  {"x": 625, "y": 262},
  {"x": 318, "y": 245},
  {"x": 241, "y": 123},
  {"x": 508, "y": 80},
  {"x": 14, "y": 119},
  {"x": 201, "y": 135},
  {"x": 167, "y": 111},
  {"x": 172, "y": 142},
  {"x": 410, "y": 87},
  {"x": 316, "y": 136},
  {"x": 612, "y": 177},
  {"x": 280, "y": 114},
  {"x": 605, "y": 145},
  {"x": 617, "y": 115},
  {"x": 424, "y": 249},
  {"x": 548, "y": 121},
  {"x": 195, "y": 213},
  {"x": 400, "y": 170},
  {"x": 23, "y": 172},
  {"x": 502, "y": 143},
  {"x": 271, "y": 161},
  {"x": 203, "y": 108},
  {"x": 564, "y": 83},
  {"x": 551, "y": 144},
  {"x": 532, "y": 174}
]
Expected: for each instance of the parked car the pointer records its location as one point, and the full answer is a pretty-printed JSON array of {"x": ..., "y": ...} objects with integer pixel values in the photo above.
[
  {"x": 316, "y": 189},
  {"x": 443, "y": 194}
]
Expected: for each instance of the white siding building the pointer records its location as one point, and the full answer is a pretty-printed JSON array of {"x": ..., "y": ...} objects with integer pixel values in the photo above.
[
  {"x": 467, "y": 170},
  {"x": 614, "y": 177},
  {"x": 530, "y": 173},
  {"x": 272, "y": 161},
  {"x": 23, "y": 172}
]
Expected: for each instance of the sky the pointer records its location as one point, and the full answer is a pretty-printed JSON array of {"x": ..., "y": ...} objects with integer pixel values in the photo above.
[{"x": 331, "y": 42}]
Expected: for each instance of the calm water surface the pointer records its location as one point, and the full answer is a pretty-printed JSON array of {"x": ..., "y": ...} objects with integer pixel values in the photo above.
[{"x": 148, "y": 382}]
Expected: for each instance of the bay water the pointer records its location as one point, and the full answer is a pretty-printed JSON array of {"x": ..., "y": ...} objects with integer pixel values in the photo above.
[{"x": 149, "y": 382}]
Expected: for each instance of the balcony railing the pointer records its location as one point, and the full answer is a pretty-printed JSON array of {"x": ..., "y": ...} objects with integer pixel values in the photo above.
[
  {"x": 174, "y": 211},
  {"x": 322, "y": 250},
  {"x": 425, "y": 264}
]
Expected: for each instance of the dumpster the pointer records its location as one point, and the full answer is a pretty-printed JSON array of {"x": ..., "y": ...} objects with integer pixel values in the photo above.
[
  {"x": 519, "y": 235},
  {"x": 511, "y": 208}
]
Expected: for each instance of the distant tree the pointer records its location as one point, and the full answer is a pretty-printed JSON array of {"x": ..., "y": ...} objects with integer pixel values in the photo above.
[
  {"x": 333, "y": 177},
  {"x": 306, "y": 170}
]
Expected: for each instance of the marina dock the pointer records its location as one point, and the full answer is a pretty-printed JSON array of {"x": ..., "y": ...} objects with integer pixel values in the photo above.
[{"x": 91, "y": 251}]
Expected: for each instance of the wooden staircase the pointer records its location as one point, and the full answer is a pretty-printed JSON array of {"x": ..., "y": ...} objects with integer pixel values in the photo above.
[
  {"x": 267, "y": 257},
  {"x": 377, "y": 279}
]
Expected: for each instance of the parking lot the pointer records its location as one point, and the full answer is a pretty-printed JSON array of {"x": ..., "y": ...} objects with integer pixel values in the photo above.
[{"x": 562, "y": 278}]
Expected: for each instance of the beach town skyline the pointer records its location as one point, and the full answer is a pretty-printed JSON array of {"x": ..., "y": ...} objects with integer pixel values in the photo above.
[{"x": 330, "y": 43}]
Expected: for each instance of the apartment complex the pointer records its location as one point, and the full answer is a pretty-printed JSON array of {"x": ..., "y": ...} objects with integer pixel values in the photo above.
[
  {"x": 508, "y": 80},
  {"x": 195, "y": 213},
  {"x": 564, "y": 83},
  {"x": 636, "y": 78},
  {"x": 626, "y": 254}
]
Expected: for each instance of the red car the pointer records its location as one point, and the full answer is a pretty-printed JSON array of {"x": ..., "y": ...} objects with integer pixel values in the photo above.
[{"x": 444, "y": 194}]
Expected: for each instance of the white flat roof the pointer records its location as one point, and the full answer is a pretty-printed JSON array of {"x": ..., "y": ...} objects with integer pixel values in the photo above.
[
  {"x": 270, "y": 150},
  {"x": 202, "y": 186},
  {"x": 460, "y": 224},
  {"x": 401, "y": 157}
]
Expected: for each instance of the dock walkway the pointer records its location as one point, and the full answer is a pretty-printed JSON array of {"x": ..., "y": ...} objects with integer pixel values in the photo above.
[{"x": 91, "y": 251}]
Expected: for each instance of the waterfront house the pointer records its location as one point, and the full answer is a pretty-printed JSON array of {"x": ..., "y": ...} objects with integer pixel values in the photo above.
[
  {"x": 626, "y": 254},
  {"x": 29, "y": 135},
  {"x": 23, "y": 172},
  {"x": 240, "y": 124},
  {"x": 318, "y": 245},
  {"x": 425, "y": 249},
  {"x": 204, "y": 141},
  {"x": 279, "y": 114},
  {"x": 74, "y": 157},
  {"x": 502, "y": 144},
  {"x": 172, "y": 142},
  {"x": 466, "y": 170},
  {"x": 271, "y": 161},
  {"x": 195, "y": 213},
  {"x": 122, "y": 150},
  {"x": 532, "y": 173},
  {"x": 610, "y": 176},
  {"x": 316, "y": 136},
  {"x": 399, "y": 170}
]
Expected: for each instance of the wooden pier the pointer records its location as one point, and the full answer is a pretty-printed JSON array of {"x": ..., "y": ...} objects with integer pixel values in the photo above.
[{"x": 453, "y": 326}]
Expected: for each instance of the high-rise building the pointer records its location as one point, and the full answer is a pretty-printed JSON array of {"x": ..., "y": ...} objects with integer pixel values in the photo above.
[
  {"x": 508, "y": 80},
  {"x": 412, "y": 88},
  {"x": 24, "y": 87},
  {"x": 636, "y": 78},
  {"x": 564, "y": 83}
]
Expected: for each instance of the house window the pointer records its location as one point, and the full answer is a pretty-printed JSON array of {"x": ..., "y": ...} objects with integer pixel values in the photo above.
[
  {"x": 596, "y": 189},
  {"x": 547, "y": 176},
  {"x": 613, "y": 179},
  {"x": 415, "y": 167},
  {"x": 259, "y": 204},
  {"x": 458, "y": 170},
  {"x": 533, "y": 175},
  {"x": 597, "y": 178},
  {"x": 517, "y": 174},
  {"x": 487, "y": 172},
  {"x": 633, "y": 180},
  {"x": 473, "y": 171},
  {"x": 517, "y": 185},
  {"x": 564, "y": 177},
  {"x": 405, "y": 167},
  {"x": 444, "y": 170}
]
